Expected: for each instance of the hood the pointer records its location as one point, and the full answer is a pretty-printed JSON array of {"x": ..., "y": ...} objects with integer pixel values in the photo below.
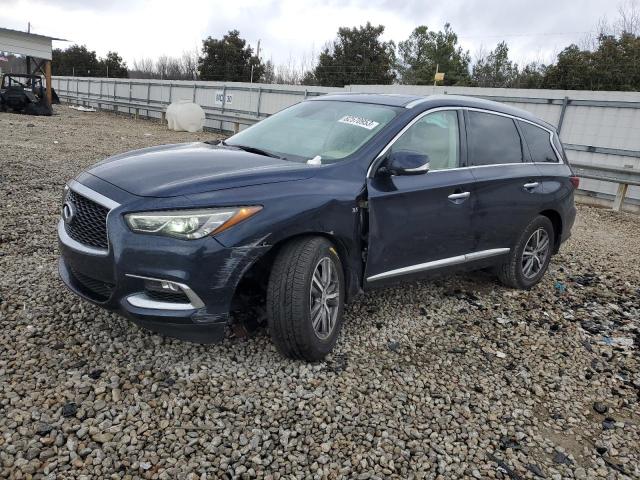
[{"x": 190, "y": 168}]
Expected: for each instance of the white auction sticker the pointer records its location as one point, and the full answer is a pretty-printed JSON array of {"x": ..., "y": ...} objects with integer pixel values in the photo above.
[{"x": 359, "y": 122}]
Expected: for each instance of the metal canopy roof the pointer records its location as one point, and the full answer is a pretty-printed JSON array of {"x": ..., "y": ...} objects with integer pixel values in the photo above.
[{"x": 23, "y": 43}]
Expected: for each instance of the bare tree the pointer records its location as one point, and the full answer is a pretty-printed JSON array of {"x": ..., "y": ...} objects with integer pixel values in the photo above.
[
  {"x": 629, "y": 18},
  {"x": 189, "y": 64},
  {"x": 628, "y": 21},
  {"x": 161, "y": 66},
  {"x": 173, "y": 69},
  {"x": 142, "y": 68},
  {"x": 292, "y": 72}
]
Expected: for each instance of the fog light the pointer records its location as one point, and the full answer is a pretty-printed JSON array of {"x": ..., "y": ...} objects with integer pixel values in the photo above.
[{"x": 161, "y": 286}]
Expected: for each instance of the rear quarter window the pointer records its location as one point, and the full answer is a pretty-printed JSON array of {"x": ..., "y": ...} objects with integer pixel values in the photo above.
[
  {"x": 539, "y": 143},
  {"x": 493, "y": 139}
]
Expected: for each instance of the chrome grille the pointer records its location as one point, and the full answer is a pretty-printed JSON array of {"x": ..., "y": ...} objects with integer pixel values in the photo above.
[{"x": 89, "y": 223}]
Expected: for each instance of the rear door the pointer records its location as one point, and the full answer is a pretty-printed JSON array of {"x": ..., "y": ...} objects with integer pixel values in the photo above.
[
  {"x": 422, "y": 222},
  {"x": 509, "y": 186}
]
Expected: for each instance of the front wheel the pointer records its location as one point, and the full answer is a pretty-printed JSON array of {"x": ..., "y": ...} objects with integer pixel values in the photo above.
[
  {"x": 305, "y": 298},
  {"x": 529, "y": 259}
]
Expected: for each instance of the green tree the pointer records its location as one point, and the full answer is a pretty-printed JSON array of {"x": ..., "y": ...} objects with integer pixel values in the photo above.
[
  {"x": 616, "y": 63},
  {"x": 612, "y": 65},
  {"x": 495, "y": 70},
  {"x": 113, "y": 66},
  {"x": 357, "y": 56},
  {"x": 425, "y": 50},
  {"x": 531, "y": 76},
  {"x": 572, "y": 70},
  {"x": 229, "y": 59},
  {"x": 75, "y": 60}
]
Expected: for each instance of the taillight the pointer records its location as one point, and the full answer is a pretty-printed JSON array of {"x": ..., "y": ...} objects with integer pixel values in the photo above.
[{"x": 575, "y": 181}]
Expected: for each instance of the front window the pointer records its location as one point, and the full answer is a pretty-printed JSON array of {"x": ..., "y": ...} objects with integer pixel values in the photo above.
[
  {"x": 435, "y": 135},
  {"x": 332, "y": 130}
]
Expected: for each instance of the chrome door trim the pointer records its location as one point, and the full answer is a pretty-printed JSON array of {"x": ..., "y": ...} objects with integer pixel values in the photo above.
[
  {"x": 531, "y": 185},
  {"x": 486, "y": 253},
  {"x": 443, "y": 262}
]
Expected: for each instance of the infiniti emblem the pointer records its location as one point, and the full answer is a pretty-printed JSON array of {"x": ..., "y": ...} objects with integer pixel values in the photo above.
[{"x": 68, "y": 212}]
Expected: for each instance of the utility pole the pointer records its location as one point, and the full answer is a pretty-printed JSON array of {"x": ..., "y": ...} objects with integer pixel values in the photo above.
[
  {"x": 28, "y": 27},
  {"x": 435, "y": 77},
  {"x": 258, "y": 57}
]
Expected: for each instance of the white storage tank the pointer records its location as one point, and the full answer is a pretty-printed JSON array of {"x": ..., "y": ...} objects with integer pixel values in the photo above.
[{"x": 185, "y": 116}]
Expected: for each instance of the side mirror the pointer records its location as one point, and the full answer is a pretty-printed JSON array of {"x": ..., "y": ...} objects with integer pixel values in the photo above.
[{"x": 404, "y": 162}]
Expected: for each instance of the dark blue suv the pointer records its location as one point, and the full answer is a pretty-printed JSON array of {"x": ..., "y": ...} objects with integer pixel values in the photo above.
[{"x": 304, "y": 210}]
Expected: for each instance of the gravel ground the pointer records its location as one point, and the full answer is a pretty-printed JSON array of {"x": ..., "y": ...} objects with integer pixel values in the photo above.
[{"x": 453, "y": 378}]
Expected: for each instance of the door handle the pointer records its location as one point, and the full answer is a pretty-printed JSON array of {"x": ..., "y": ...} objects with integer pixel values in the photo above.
[
  {"x": 459, "y": 196},
  {"x": 531, "y": 185}
]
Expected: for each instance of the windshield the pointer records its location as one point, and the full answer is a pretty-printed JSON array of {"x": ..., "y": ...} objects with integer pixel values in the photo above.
[{"x": 332, "y": 130}]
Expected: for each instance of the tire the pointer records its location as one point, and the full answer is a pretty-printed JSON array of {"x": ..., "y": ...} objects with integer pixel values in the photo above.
[
  {"x": 290, "y": 299},
  {"x": 522, "y": 270}
]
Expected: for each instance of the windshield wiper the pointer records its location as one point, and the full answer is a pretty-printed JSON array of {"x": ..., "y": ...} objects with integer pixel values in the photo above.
[{"x": 249, "y": 149}]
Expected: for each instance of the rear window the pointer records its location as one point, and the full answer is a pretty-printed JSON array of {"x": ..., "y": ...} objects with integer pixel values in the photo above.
[
  {"x": 493, "y": 139},
  {"x": 539, "y": 143}
]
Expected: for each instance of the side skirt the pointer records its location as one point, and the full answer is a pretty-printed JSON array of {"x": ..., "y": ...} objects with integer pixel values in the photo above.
[{"x": 444, "y": 262}]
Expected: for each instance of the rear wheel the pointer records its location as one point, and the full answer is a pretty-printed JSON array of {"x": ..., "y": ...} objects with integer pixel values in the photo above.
[
  {"x": 529, "y": 259},
  {"x": 305, "y": 298}
]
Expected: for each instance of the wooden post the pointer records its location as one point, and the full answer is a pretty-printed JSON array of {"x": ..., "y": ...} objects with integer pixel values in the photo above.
[
  {"x": 622, "y": 192},
  {"x": 47, "y": 76}
]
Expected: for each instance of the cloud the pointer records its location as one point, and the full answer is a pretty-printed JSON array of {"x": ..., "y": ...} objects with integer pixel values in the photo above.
[{"x": 296, "y": 28}]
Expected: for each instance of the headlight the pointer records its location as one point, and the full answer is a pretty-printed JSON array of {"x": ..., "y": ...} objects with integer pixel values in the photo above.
[{"x": 189, "y": 224}]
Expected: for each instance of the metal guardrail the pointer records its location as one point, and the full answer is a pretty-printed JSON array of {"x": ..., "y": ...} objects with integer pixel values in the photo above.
[
  {"x": 236, "y": 117},
  {"x": 221, "y": 113},
  {"x": 230, "y": 118},
  {"x": 622, "y": 176},
  {"x": 224, "y": 114}
]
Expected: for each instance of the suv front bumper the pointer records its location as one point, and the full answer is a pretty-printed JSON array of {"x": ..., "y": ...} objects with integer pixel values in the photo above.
[{"x": 204, "y": 273}]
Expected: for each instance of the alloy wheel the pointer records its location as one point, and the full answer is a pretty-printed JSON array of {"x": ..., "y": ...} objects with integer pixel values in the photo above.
[
  {"x": 324, "y": 298},
  {"x": 535, "y": 253}
]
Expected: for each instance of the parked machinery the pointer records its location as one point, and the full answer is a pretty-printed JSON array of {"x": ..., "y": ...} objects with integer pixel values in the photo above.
[{"x": 24, "y": 93}]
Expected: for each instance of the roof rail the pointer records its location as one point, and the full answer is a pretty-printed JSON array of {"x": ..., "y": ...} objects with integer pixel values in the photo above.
[{"x": 416, "y": 102}]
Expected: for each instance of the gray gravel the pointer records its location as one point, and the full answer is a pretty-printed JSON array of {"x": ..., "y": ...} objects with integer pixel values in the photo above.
[{"x": 453, "y": 378}]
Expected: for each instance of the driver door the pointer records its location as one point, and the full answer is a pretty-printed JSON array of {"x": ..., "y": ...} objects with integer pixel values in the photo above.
[{"x": 420, "y": 223}]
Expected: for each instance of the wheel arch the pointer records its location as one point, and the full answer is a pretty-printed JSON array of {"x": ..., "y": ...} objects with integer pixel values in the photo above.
[
  {"x": 257, "y": 275},
  {"x": 556, "y": 221}
]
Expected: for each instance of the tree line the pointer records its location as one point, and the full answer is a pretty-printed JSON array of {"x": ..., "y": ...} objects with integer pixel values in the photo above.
[{"x": 359, "y": 55}]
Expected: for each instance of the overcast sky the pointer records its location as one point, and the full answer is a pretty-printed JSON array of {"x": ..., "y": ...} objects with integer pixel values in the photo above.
[{"x": 534, "y": 30}]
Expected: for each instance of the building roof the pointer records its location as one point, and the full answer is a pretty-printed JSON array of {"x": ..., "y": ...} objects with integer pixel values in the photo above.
[{"x": 25, "y": 43}]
